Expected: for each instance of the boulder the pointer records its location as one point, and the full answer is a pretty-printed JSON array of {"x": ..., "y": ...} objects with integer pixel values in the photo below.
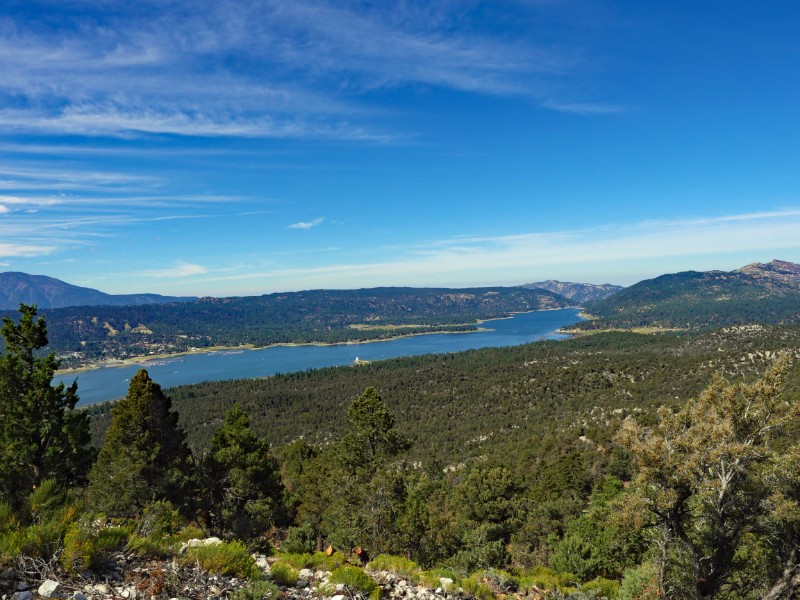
[{"x": 49, "y": 589}]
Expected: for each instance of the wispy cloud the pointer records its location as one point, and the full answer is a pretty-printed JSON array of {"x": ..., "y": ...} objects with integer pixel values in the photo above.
[
  {"x": 25, "y": 250},
  {"x": 179, "y": 269},
  {"x": 288, "y": 69},
  {"x": 307, "y": 224},
  {"x": 476, "y": 259}
]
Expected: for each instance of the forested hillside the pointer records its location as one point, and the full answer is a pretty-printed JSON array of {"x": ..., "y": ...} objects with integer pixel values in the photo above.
[
  {"x": 517, "y": 403},
  {"x": 85, "y": 334},
  {"x": 758, "y": 293}
]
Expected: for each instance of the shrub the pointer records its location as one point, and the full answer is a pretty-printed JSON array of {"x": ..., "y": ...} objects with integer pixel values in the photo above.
[
  {"x": 257, "y": 590},
  {"x": 602, "y": 587},
  {"x": 112, "y": 538},
  {"x": 299, "y": 540},
  {"x": 475, "y": 587},
  {"x": 154, "y": 546},
  {"x": 47, "y": 501},
  {"x": 159, "y": 518},
  {"x": 297, "y": 561},
  {"x": 283, "y": 574},
  {"x": 322, "y": 561},
  {"x": 433, "y": 577},
  {"x": 502, "y": 579},
  {"x": 639, "y": 583},
  {"x": 547, "y": 579},
  {"x": 397, "y": 565},
  {"x": 354, "y": 579},
  {"x": 190, "y": 532},
  {"x": 227, "y": 558},
  {"x": 80, "y": 550}
]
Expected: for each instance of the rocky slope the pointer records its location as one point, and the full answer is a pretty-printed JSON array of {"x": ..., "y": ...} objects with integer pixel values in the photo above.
[
  {"x": 126, "y": 576},
  {"x": 578, "y": 292}
]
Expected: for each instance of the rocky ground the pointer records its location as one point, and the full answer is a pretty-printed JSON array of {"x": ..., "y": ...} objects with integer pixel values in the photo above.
[{"x": 127, "y": 576}]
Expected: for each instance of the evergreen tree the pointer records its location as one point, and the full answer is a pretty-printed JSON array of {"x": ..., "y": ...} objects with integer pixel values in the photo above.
[
  {"x": 371, "y": 440},
  {"x": 246, "y": 493},
  {"x": 360, "y": 498},
  {"x": 717, "y": 489},
  {"x": 144, "y": 457},
  {"x": 41, "y": 435}
]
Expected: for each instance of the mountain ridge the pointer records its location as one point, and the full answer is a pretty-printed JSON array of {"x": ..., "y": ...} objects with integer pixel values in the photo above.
[
  {"x": 766, "y": 293},
  {"x": 48, "y": 292},
  {"x": 579, "y": 292}
]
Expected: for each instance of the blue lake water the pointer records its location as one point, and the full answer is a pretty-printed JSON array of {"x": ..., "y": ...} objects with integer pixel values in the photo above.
[{"x": 110, "y": 383}]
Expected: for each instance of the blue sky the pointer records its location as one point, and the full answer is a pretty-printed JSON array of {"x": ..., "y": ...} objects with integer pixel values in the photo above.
[{"x": 244, "y": 147}]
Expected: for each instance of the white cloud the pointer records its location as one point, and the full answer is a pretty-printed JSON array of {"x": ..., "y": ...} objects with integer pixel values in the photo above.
[
  {"x": 307, "y": 224},
  {"x": 515, "y": 259},
  {"x": 25, "y": 250},
  {"x": 179, "y": 269},
  {"x": 288, "y": 69}
]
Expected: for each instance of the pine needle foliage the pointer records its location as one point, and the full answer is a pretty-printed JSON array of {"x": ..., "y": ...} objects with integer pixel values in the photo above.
[{"x": 144, "y": 456}]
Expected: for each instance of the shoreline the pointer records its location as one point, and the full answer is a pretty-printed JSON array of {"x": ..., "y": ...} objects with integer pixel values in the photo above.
[{"x": 142, "y": 360}]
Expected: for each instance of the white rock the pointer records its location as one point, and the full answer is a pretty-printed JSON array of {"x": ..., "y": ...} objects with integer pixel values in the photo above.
[
  {"x": 306, "y": 574},
  {"x": 100, "y": 588},
  {"x": 339, "y": 587},
  {"x": 211, "y": 541},
  {"x": 48, "y": 589},
  {"x": 402, "y": 583},
  {"x": 261, "y": 561},
  {"x": 446, "y": 582},
  {"x": 338, "y": 597}
]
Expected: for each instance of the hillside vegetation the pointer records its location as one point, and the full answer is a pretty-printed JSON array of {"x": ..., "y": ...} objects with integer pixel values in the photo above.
[
  {"x": 758, "y": 293},
  {"x": 82, "y": 335}
]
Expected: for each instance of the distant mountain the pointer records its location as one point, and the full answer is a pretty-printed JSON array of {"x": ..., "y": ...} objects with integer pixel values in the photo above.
[
  {"x": 48, "y": 292},
  {"x": 757, "y": 293},
  {"x": 778, "y": 271},
  {"x": 578, "y": 292}
]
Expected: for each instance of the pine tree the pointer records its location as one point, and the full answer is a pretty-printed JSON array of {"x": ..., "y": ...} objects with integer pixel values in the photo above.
[
  {"x": 246, "y": 493},
  {"x": 41, "y": 435},
  {"x": 144, "y": 457}
]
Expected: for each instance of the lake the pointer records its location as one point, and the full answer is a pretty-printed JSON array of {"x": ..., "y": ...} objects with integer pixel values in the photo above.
[{"x": 110, "y": 383}]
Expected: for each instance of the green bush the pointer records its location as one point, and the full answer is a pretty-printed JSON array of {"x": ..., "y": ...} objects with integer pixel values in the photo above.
[
  {"x": 80, "y": 550},
  {"x": 47, "y": 501},
  {"x": 323, "y": 562},
  {"x": 547, "y": 579},
  {"x": 283, "y": 574},
  {"x": 639, "y": 583},
  {"x": 396, "y": 565},
  {"x": 112, "y": 538},
  {"x": 297, "y": 561},
  {"x": 473, "y": 586},
  {"x": 153, "y": 546},
  {"x": 257, "y": 590},
  {"x": 300, "y": 540},
  {"x": 159, "y": 518},
  {"x": 502, "y": 579},
  {"x": 433, "y": 577},
  {"x": 602, "y": 587},
  {"x": 190, "y": 532},
  {"x": 227, "y": 558},
  {"x": 354, "y": 579}
]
